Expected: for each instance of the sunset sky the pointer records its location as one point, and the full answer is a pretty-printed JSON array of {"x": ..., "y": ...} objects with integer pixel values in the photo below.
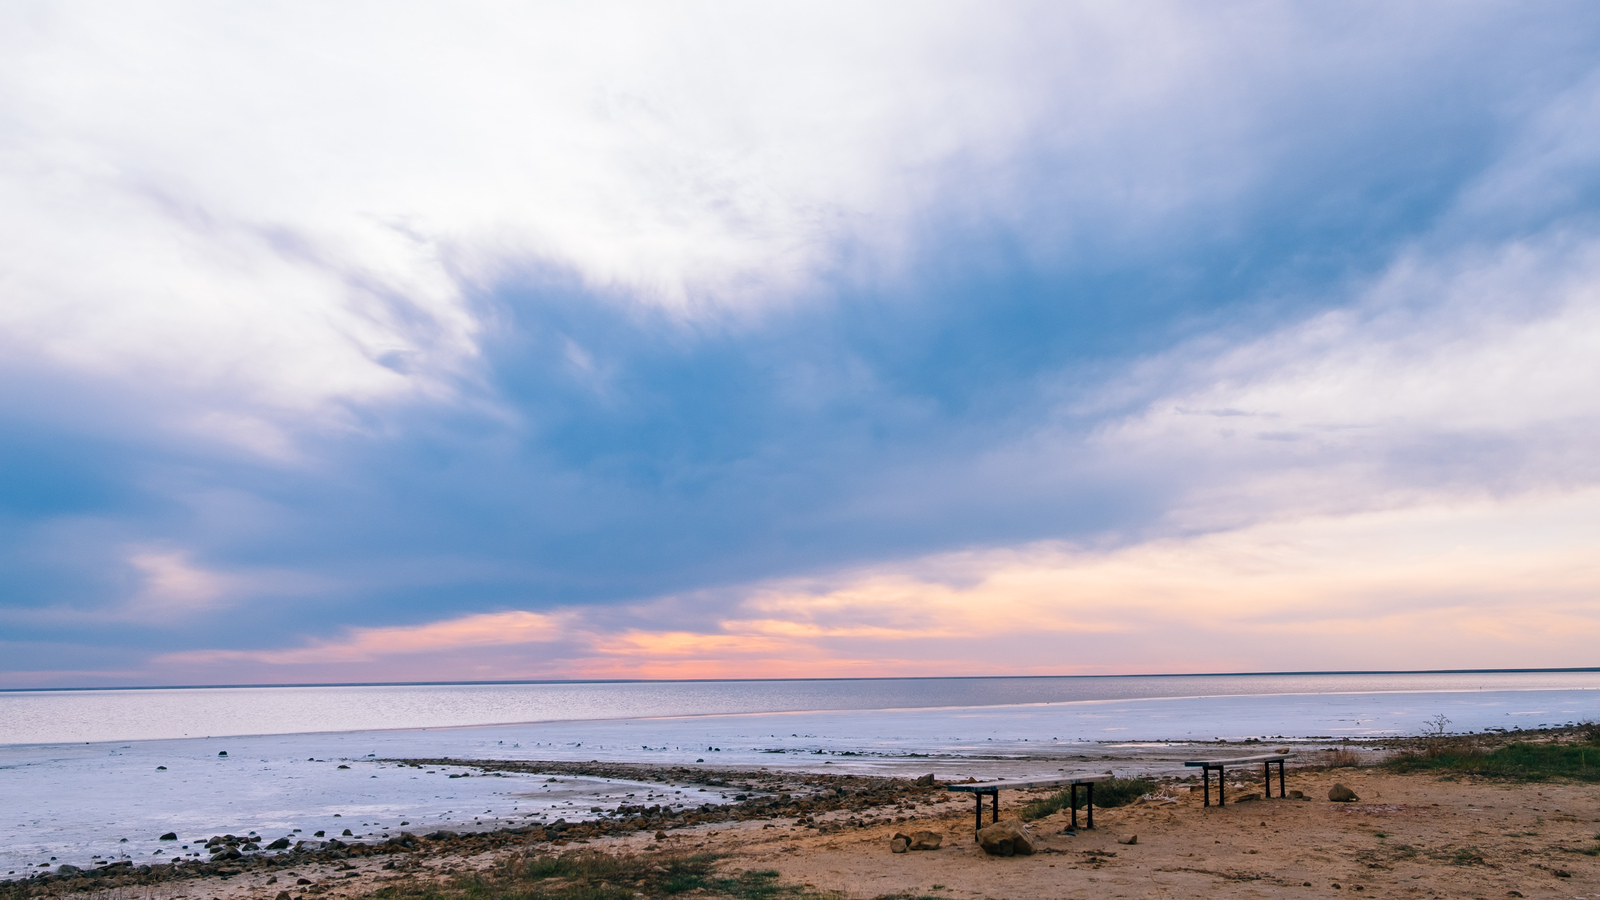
[{"x": 477, "y": 341}]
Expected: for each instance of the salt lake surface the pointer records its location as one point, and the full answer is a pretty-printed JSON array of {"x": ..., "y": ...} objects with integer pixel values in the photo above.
[{"x": 79, "y": 772}]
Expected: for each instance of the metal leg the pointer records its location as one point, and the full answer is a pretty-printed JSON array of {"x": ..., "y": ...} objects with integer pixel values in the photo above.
[
  {"x": 1205, "y": 781},
  {"x": 1089, "y": 804},
  {"x": 1281, "y": 792},
  {"x": 978, "y": 824},
  {"x": 1266, "y": 775},
  {"x": 995, "y": 810},
  {"x": 1073, "y": 804},
  {"x": 1222, "y": 786}
]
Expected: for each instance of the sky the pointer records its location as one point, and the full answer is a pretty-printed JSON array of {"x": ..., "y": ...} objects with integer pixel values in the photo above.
[{"x": 478, "y": 341}]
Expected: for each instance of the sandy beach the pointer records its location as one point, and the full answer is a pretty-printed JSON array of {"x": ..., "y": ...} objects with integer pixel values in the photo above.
[{"x": 1413, "y": 835}]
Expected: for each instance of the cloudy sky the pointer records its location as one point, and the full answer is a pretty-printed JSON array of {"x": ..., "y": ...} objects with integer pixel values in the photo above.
[{"x": 375, "y": 341}]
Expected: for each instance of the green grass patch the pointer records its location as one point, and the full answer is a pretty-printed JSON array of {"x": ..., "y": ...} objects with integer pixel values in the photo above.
[
  {"x": 1107, "y": 794},
  {"x": 1519, "y": 761},
  {"x": 588, "y": 875}
]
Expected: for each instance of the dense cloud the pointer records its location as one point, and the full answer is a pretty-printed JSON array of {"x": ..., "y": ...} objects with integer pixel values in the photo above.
[{"x": 406, "y": 343}]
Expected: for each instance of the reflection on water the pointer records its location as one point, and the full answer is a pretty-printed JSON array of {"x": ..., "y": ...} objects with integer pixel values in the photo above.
[{"x": 29, "y": 717}]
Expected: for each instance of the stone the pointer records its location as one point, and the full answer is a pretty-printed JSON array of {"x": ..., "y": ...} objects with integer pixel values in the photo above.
[
  {"x": 226, "y": 853},
  {"x": 1130, "y": 839},
  {"x": 346, "y": 833},
  {"x": 899, "y": 844},
  {"x": 222, "y": 753},
  {"x": 1341, "y": 794},
  {"x": 1297, "y": 795},
  {"x": 282, "y": 895},
  {"x": 279, "y": 844},
  {"x": 1246, "y": 798},
  {"x": 169, "y": 836},
  {"x": 1006, "y": 837},
  {"x": 926, "y": 840},
  {"x": 303, "y": 881},
  {"x": 925, "y": 781},
  {"x": 661, "y": 835},
  {"x": 65, "y": 870}
]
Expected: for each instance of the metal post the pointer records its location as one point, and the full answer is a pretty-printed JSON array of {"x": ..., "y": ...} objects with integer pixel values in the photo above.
[
  {"x": 995, "y": 817},
  {"x": 1281, "y": 792},
  {"x": 1205, "y": 780},
  {"x": 1090, "y": 804},
  {"x": 978, "y": 824},
  {"x": 1222, "y": 786},
  {"x": 1073, "y": 804}
]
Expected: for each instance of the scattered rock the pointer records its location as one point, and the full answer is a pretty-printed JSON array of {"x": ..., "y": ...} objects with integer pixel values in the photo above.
[
  {"x": 440, "y": 835},
  {"x": 64, "y": 870},
  {"x": 1130, "y": 839},
  {"x": 222, "y": 753},
  {"x": 282, "y": 895},
  {"x": 346, "y": 767},
  {"x": 279, "y": 844},
  {"x": 303, "y": 881},
  {"x": 1246, "y": 798},
  {"x": 161, "y": 768},
  {"x": 1559, "y": 873},
  {"x": 347, "y": 833},
  {"x": 272, "y": 880},
  {"x": 1297, "y": 795},
  {"x": 169, "y": 836},
  {"x": 661, "y": 835},
  {"x": 1341, "y": 794},
  {"x": 926, "y": 840},
  {"x": 925, "y": 781},
  {"x": 899, "y": 844},
  {"x": 1006, "y": 837}
]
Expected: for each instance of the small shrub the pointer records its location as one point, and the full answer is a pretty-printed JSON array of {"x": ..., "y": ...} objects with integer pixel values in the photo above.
[
  {"x": 1341, "y": 758},
  {"x": 1107, "y": 794}
]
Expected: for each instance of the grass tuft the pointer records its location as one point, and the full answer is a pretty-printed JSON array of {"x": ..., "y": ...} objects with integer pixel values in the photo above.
[
  {"x": 1107, "y": 794},
  {"x": 588, "y": 875}
]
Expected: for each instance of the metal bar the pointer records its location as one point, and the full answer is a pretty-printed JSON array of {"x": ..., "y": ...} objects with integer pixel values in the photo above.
[
  {"x": 1281, "y": 791},
  {"x": 995, "y": 817},
  {"x": 978, "y": 825},
  {"x": 1205, "y": 779},
  {"x": 1073, "y": 804},
  {"x": 1222, "y": 786},
  {"x": 1266, "y": 775},
  {"x": 1090, "y": 804}
]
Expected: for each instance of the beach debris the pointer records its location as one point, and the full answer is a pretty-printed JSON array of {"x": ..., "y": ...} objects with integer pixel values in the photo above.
[
  {"x": 1007, "y": 837},
  {"x": 169, "y": 836},
  {"x": 1341, "y": 794},
  {"x": 1130, "y": 839}
]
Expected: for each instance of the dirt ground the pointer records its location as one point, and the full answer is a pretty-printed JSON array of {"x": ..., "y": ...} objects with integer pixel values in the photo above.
[{"x": 1413, "y": 836}]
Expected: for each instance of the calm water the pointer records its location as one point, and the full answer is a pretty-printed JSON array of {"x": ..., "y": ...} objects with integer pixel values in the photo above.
[{"x": 49, "y": 717}]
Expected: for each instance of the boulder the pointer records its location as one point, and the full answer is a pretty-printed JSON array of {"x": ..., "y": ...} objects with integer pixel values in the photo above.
[
  {"x": 282, "y": 895},
  {"x": 1006, "y": 837},
  {"x": 1246, "y": 798},
  {"x": 279, "y": 844},
  {"x": 169, "y": 836},
  {"x": 899, "y": 844},
  {"x": 925, "y": 781},
  {"x": 65, "y": 870},
  {"x": 1297, "y": 795},
  {"x": 926, "y": 840},
  {"x": 1341, "y": 794},
  {"x": 1130, "y": 839}
]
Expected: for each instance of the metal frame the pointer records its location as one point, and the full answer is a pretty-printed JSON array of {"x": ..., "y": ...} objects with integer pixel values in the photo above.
[
  {"x": 993, "y": 789},
  {"x": 1220, "y": 765}
]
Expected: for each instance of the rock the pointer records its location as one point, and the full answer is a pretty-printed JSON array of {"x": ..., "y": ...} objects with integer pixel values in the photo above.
[
  {"x": 661, "y": 835},
  {"x": 1559, "y": 873},
  {"x": 65, "y": 870},
  {"x": 222, "y": 753},
  {"x": 303, "y": 881},
  {"x": 1130, "y": 839},
  {"x": 272, "y": 880},
  {"x": 226, "y": 853},
  {"x": 440, "y": 835},
  {"x": 899, "y": 844},
  {"x": 926, "y": 840},
  {"x": 347, "y": 833},
  {"x": 1006, "y": 837},
  {"x": 282, "y": 895},
  {"x": 279, "y": 844},
  {"x": 1297, "y": 795},
  {"x": 925, "y": 781},
  {"x": 161, "y": 768},
  {"x": 1341, "y": 794},
  {"x": 1246, "y": 798},
  {"x": 169, "y": 836}
]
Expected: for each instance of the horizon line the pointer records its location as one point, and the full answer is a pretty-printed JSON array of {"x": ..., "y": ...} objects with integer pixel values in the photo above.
[{"x": 204, "y": 687}]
